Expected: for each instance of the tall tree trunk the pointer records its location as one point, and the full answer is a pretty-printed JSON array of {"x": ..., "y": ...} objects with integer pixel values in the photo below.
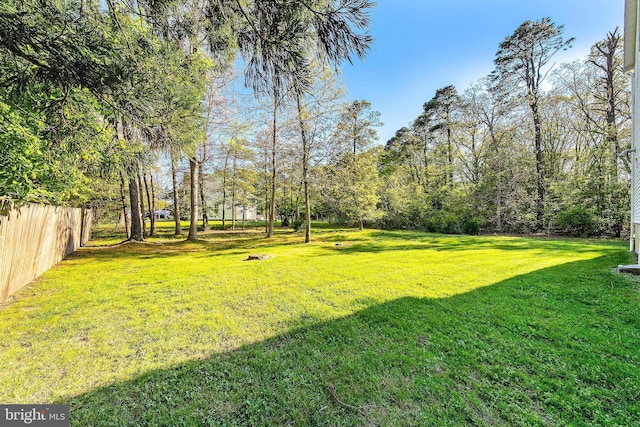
[
  {"x": 142, "y": 209},
  {"x": 137, "y": 232},
  {"x": 498, "y": 170},
  {"x": 244, "y": 212},
  {"x": 203, "y": 201},
  {"x": 152, "y": 215},
  {"x": 539, "y": 163},
  {"x": 266, "y": 191},
  {"x": 272, "y": 204},
  {"x": 449, "y": 155},
  {"x": 355, "y": 175},
  {"x": 233, "y": 196},
  {"x": 305, "y": 172},
  {"x": 425, "y": 154},
  {"x": 127, "y": 225},
  {"x": 137, "y": 224},
  {"x": 176, "y": 197},
  {"x": 153, "y": 205},
  {"x": 193, "y": 220},
  {"x": 224, "y": 189},
  {"x": 608, "y": 50}
]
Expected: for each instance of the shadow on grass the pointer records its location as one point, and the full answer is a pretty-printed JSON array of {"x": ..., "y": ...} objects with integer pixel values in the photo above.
[
  {"x": 209, "y": 244},
  {"x": 223, "y": 243},
  {"x": 212, "y": 243},
  {"x": 382, "y": 241},
  {"x": 554, "y": 347}
]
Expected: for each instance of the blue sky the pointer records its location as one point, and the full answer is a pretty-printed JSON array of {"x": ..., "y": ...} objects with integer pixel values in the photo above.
[{"x": 423, "y": 45}]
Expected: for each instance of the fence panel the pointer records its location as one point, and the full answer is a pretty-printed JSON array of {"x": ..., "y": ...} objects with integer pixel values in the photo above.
[{"x": 35, "y": 237}]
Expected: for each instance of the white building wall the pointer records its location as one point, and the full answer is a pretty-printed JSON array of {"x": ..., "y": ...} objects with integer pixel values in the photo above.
[
  {"x": 635, "y": 136},
  {"x": 215, "y": 212}
]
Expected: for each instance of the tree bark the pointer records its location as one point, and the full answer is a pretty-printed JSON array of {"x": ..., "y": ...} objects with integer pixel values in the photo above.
[
  {"x": 137, "y": 233},
  {"x": 203, "y": 201},
  {"x": 244, "y": 212},
  {"x": 608, "y": 50},
  {"x": 449, "y": 154},
  {"x": 266, "y": 191},
  {"x": 612, "y": 129},
  {"x": 224, "y": 189},
  {"x": 152, "y": 215},
  {"x": 498, "y": 170},
  {"x": 127, "y": 224},
  {"x": 193, "y": 220},
  {"x": 176, "y": 197},
  {"x": 305, "y": 172},
  {"x": 233, "y": 196},
  {"x": 425, "y": 153},
  {"x": 137, "y": 226},
  {"x": 272, "y": 204},
  {"x": 142, "y": 210},
  {"x": 153, "y": 206},
  {"x": 355, "y": 174},
  {"x": 539, "y": 163}
]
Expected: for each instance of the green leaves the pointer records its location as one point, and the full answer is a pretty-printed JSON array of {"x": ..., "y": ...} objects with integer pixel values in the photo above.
[
  {"x": 279, "y": 39},
  {"x": 66, "y": 45},
  {"x": 526, "y": 52},
  {"x": 70, "y": 72}
]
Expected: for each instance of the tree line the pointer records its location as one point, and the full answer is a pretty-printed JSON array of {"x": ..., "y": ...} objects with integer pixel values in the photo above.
[
  {"x": 92, "y": 91},
  {"x": 529, "y": 148},
  {"x": 102, "y": 101}
]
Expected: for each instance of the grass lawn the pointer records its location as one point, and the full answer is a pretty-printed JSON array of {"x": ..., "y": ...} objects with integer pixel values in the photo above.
[{"x": 357, "y": 328}]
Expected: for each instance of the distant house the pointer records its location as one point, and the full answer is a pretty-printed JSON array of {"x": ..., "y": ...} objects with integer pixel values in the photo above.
[
  {"x": 631, "y": 45},
  {"x": 162, "y": 214}
]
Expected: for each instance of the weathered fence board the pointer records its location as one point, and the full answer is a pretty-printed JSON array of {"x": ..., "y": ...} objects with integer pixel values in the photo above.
[{"x": 35, "y": 237}]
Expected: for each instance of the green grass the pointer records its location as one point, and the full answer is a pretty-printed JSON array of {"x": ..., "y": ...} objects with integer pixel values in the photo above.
[{"x": 411, "y": 329}]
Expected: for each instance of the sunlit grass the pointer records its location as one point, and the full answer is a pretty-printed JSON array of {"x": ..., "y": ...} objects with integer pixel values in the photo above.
[{"x": 108, "y": 315}]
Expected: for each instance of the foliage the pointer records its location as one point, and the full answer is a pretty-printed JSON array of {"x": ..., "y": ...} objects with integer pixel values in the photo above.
[
  {"x": 444, "y": 222},
  {"x": 53, "y": 155},
  {"x": 476, "y": 160},
  {"x": 523, "y": 54},
  {"x": 298, "y": 224},
  {"x": 472, "y": 225},
  {"x": 52, "y": 126},
  {"x": 351, "y": 178},
  {"x": 59, "y": 61},
  {"x": 351, "y": 185},
  {"x": 522, "y": 60},
  {"x": 91, "y": 89},
  {"x": 356, "y": 129},
  {"x": 279, "y": 39},
  {"x": 576, "y": 221},
  {"x": 67, "y": 44}
]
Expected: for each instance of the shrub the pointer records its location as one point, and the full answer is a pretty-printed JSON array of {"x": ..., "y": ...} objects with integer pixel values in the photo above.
[
  {"x": 444, "y": 222},
  {"x": 575, "y": 221},
  {"x": 297, "y": 224},
  {"x": 472, "y": 225}
]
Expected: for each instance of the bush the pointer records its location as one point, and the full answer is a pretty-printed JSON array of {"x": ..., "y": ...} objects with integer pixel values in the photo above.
[
  {"x": 575, "y": 221},
  {"x": 444, "y": 222},
  {"x": 298, "y": 224},
  {"x": 472, "y": 225}
]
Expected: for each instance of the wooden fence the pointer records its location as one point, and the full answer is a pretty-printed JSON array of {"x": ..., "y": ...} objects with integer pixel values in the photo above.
[{"x": 34, "y": 237}]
